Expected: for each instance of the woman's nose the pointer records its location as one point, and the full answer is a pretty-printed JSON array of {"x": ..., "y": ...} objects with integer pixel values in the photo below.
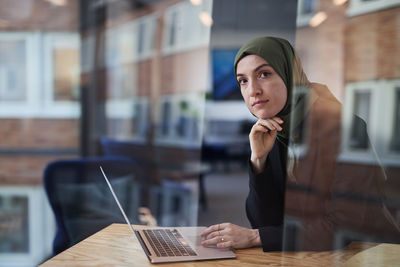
[{"x": 255, "y": 88}]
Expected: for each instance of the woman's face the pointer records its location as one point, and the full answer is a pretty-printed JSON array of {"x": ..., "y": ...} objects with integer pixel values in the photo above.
[{"x": 262, "y": 88}]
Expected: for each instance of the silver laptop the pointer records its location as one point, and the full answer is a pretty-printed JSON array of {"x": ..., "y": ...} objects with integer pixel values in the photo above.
[{"x": 173, "y": 244}]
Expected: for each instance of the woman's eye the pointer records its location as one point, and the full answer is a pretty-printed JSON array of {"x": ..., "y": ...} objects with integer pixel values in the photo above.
[
  {"x": 242, "y": 81},
  {"x": 264, "y": 74}
]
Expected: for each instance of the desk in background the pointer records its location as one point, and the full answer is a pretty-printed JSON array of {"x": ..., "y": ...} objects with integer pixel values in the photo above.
[{"x": 115, "y": 245}]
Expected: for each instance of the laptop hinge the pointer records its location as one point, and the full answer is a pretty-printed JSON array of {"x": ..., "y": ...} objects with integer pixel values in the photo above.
[{"x": 146, "y": 250}]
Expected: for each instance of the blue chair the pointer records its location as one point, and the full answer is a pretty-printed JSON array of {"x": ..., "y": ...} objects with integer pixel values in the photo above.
[{"x": 81, "y": 201}]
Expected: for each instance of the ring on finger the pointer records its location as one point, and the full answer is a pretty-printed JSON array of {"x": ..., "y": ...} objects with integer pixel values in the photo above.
[{"x": 222, "y": 239}]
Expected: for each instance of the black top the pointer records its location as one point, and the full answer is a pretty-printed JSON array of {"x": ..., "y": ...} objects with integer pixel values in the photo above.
[{"x": 265, "y": 202}]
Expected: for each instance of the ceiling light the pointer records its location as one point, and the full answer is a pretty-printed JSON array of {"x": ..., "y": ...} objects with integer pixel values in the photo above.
[
  {"x": 318, "y": 19},
  {"x": 58, "y": 2},
  {"x": 196, "y": 2},
  {"x": 339, "y": 2},
  {"x": 206, "y": 18}
]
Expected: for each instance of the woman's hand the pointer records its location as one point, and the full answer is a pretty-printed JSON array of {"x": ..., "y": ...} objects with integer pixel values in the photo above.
[
  {"x": 227, "y": 235},
  {"x": 262, "y": 137}
]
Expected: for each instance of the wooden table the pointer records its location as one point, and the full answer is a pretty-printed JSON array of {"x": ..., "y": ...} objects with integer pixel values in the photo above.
[{"x": 115, "y": 245}]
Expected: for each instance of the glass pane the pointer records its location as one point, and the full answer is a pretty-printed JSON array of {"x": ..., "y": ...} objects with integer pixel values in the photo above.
[
  {"x": 173, "y": 28},
  {"x": 13, "y": 77},
  {"x": 14, "y": 224},
  {"x": 40, "y": 83},
  {"x": 142, "y": 34},
  {"x": 66, "y": 74},
  {"x": 307, "y": 7},
  {"x": 395, "y": 144},
  {"x": 359, "y": 138}
]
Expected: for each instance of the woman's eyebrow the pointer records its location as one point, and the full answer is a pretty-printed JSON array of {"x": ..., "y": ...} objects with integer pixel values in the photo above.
[
  {"x": 262, "y": 65},
  {"x": 256, "y": 69}
]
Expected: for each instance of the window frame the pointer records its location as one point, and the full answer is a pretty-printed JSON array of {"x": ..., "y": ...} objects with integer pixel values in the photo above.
[
  {"x": 124, "y": 40},
  {"x": 303, "y": 20},
  {"x": 380, "y": 134},
  {"x": 41, "y": 225},
  {"x": 60, "y": 108},
  {"x": 196, "y": 100},
  {"x": 12, "y": 109},
  {"x": 125, "y": 109},
  {"x": 390, "y": 157},
  {"x": 185, "y": 26},
  {"x": 355, "y": 155},
  {"x": 360, "y": 7},
  {"x": 39, "y": 102}
]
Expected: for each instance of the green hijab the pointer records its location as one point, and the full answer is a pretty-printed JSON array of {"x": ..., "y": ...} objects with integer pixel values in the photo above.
[{"x": 280, "y": 54}]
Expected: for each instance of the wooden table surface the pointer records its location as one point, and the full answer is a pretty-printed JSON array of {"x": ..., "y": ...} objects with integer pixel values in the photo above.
[{"x": 116, "y": 245}]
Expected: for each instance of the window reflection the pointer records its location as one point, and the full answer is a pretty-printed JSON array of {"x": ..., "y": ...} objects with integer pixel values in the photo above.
[
  {"x": 12, "y": 69},
  {"x": 359, "y": 138},
  {"x": 395, "y": 144}
]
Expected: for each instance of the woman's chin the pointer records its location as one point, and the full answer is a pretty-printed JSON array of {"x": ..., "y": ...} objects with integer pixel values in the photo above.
[{"x": 264, "y": 116}]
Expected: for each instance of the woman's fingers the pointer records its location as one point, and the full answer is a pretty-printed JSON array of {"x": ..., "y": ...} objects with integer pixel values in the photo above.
[
  {"x": 278, "y": 120},
  {"x": 210, "y": 229},
  {"x": 270, "y": 124},
  {"x": 227, "y": 244},
  {"x": 211, "y": 241},
  {"x": 260, "y": 128},
  {"x": 213, "y": 234}
]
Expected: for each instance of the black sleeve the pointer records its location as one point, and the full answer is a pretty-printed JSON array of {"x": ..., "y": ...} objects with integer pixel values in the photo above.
[
  {"x": 265, "y": 201},
  {"x": 271, "y": 238}
]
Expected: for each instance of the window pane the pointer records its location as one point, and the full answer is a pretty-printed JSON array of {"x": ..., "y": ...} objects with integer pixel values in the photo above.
[
  {"x": 12, "y": 70},
  {"x": 14, "y": 231},
  {"x": 173, "y": 29},
  {"x": 142, "y": 31},
  {"x": 359, "y": 138},
  {"x": 307, "y": 7},
  {"x": 395, "y": 144},
  {"x": 66, "y": 75}
]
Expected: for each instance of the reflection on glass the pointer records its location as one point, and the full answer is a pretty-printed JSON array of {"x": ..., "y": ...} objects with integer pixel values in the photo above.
[
  {"x": 173, "y": 28},
  {"x": 14, "y": 230},
  {"x": 307, "y": 6},
  {"x": 12, "y": 70},
  {"x": 166, "y": 118},
  {"x": 359, "y": 138},
  {"x": 395, "y": 144},
  {"x": 142, "y": 30},
  {"x": 66, "y": 62}
]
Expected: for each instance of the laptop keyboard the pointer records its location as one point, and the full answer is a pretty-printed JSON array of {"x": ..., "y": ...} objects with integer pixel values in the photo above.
[{"x": 167, "y": 242}]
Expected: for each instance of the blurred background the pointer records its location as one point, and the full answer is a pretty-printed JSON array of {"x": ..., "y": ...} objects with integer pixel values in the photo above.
[{"x": 146, "y": 88}]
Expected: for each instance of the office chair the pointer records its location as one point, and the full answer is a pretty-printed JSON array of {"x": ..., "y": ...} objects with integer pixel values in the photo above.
[
  {"x": 168, "y": 201},
  {"x": 81, "y": 201}
]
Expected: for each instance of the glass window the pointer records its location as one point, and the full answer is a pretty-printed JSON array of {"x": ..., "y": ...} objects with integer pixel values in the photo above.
[
  {"x": 14, "y": 232},
  {"x": 359, "y": 138},
  {"x": 307, "y": 7},
  {"x": 166, "y": 118},
  {"x": 65, "y": 80},
  {"x": 395, "y": 143},
  {"x": 173, "y": 28},
  {"x": 13, "y": 70},
  {"x": 141, "y": 39}
]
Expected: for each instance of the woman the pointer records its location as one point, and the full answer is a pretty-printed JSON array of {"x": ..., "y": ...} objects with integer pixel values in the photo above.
[{"x": 278, "y": 93}]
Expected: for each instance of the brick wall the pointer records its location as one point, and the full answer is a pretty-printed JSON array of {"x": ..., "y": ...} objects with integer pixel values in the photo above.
[
  {"x": 27, "y": 145},
  {"x": 36, "y": 15},
  {"x": 372, "y": 46},
  {"x": 39, "y": 133}
]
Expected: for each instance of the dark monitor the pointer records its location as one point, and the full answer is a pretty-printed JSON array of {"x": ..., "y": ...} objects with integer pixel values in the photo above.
[{"x": 225, "y": 86}]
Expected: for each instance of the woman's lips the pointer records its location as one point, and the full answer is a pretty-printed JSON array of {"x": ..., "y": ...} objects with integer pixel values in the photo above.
[{"x": 259, "y": 103}]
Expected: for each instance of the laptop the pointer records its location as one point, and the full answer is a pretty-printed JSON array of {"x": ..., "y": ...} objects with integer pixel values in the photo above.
[{"x": 173, "y": 244}]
